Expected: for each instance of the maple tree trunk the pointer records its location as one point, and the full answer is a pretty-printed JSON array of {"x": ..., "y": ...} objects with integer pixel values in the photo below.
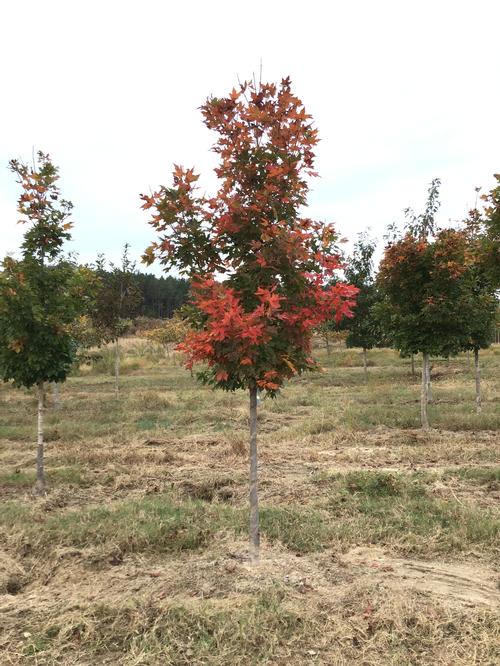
[
  {"x": 117, "y": 368},
  {"x": 478, "y": 380},
  {"x": 56, "y": 396},
  {"x": 412, "y": 357},
  {"x": 254, "y": 497},
  {"x": 365, "y": 369},
  {"x": 40, "y": 471},
  {"x": 423, "y": 396},
  {"x": 428, "y": 378}
]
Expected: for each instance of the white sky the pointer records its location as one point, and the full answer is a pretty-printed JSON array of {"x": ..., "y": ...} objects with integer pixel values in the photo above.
[{"x": 401, "y": 92}]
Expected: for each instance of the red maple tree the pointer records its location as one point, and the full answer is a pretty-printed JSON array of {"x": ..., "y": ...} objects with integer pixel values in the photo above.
[{"x": 259, "y": 269}]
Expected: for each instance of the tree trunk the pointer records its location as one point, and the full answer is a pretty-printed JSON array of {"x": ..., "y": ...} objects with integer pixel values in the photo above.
[
  {"x": 254, "y": 497},
  {"x": 429, "y": 387},
  {"x": 423, "y": 396},
  {"x": 478, "y": 380},
  {"x": 364, "y": 365},
  {"x": 468, "y": 359},
  {"x": 56, "y": 396},
  {"x": 412, "y": 358},
  {"x": 327, "y": 341},
  {"x": 40, "y": 471},
  {"x": 117, "y": 368}
]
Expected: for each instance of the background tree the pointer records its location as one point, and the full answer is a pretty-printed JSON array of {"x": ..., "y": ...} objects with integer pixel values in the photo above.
[
  {"x": 252, "y": 325},
  {"x": 330, "y": 334},
  {"x": 491, "y": 237},
  {"x": 118, "y": 300},
  {"x": 161, "y": 296},
  {"x": 420, "y": 278},
  {"x": 41, "y": 294},
  {"x": 363, "y": 328},
  {"x": 171, "y": 332},
  {"x": 479, "y": 298}
]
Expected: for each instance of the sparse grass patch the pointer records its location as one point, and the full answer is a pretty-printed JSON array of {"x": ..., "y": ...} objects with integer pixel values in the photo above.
[
  {"x": 250, "y": 631},
  {"x": 164, "y": 524},
  {"x": 303, "y": 531},
  {"x": 15, "y": 514},
  {"x": 479, "y": 475},
  {"x": 150, "y": 524},
  {"x": 400, "y": 510},
  {"x": 25, "y": 478}
]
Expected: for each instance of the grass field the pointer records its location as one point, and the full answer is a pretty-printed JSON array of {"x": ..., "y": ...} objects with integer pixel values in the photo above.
[{"x": 381, "y": 542}]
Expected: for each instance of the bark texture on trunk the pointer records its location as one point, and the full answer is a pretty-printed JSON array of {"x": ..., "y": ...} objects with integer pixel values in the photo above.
[
  {"x": 254, "y": 497},
  {"x": 40, "y": 471},
  {"x": 423, "y": 396},
  {"x": 365, "y": 368},
  {"x": 429, "y": 387},
  {"x": 56, "y": 396},
  {"x": 117, "y": 368},
  {"x": 478, "y": 380}
]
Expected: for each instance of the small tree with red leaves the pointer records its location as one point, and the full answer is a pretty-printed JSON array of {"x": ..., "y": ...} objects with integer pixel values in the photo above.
[{"x": 258, "y": 268}]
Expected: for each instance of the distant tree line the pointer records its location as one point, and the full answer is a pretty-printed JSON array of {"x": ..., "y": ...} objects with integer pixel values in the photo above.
[{"x": 161, "y": 296}]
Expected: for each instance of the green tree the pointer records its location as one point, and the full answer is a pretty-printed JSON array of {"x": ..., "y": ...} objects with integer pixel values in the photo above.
[
  {"x": 479, "y": 299},
  {"x": 364, "y": 328},
  {"x": 421, "y": 278},
  {"x": 491, "y": 238},
  {"x": 118, "y": 300},
  {"x": 41, "y": 294}
]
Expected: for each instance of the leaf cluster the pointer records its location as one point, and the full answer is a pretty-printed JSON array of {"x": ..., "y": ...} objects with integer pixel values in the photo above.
[
  {"x": 364, "y": 328},
  {"x": 42, "y": 293},
  {"x": 38, "y": 304}
]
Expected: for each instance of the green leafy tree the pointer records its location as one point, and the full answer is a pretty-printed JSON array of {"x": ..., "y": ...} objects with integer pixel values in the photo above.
[
  {"x": 491, "y": 237},
  {"x": 421, "y": 278},
  {"x": 479, "y": 300},
  {"x": 257, "y": 267},
  {"x": 364, "y": 328},
  {"x": 118, "y": 300},
  {"x": 41, "y": 294}
]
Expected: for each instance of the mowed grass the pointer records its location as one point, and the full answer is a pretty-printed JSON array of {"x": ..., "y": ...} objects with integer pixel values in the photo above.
[{"x": 157, "y": 481}]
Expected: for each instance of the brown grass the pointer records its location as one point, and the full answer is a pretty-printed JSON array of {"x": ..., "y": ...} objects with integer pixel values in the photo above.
[{"x": 380, "y": 542}]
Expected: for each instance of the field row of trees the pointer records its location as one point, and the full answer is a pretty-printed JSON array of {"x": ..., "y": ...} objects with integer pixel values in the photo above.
[
  {"x": 435, "y": 291},
  {"x": 263, "y": 278}
]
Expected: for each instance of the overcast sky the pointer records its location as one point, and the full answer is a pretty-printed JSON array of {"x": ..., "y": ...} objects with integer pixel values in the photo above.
[{"x": 401, "y": 92}]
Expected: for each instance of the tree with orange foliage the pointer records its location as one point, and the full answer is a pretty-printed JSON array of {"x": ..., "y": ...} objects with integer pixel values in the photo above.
[
  {"x": 425, "y": 277},
  {"x": 258, "y": 268}
]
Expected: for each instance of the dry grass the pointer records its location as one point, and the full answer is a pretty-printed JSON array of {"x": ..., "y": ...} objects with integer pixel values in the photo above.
[{"x": 381, "y": 542}]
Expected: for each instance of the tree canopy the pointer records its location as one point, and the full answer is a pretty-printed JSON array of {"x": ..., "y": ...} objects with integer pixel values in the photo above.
[
  {"x": 42, "y": 293},
  {"x": 257, "y": 266}
]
